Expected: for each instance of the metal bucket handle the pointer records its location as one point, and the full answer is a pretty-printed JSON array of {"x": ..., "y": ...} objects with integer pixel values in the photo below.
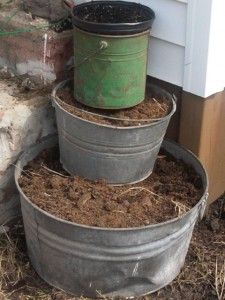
[{"x": 102, "y": 46}]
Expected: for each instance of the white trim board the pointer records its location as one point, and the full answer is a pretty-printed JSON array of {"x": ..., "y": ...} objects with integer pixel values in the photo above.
[{"x": 204, "y": 67}]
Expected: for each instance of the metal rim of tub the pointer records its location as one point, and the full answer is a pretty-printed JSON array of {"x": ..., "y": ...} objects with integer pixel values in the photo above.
[
  {"x": 113, "y": 28},
  {"x": 202, "y": 201},
  {"x": 56, "y": 101},
  {"x": 119, "y": 154}
]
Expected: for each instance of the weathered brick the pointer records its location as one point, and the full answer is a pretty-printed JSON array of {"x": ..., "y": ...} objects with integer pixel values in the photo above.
[
  {"x": 49, "y": 9},
  {"x": 42, "y": 52}
]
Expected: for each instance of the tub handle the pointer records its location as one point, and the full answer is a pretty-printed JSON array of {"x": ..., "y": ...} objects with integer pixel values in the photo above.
[
  {"x": 55, "y": 89},
  {"x": 203, "y": 207}
]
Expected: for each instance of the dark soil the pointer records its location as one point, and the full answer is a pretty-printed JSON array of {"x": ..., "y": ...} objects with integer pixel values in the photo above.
[
  {"x": 112, "y": 13},
  {"x": 61, "y": 25},
  {"x": 24, "y": 88},
  {"x": 170, "y": 191},
  {"x": 149, "y": 109}
]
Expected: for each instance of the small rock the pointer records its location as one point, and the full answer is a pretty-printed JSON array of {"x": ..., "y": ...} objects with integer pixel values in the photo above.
[
  {"x": 56, "y": 182},
  {"x": 72, "y": 193},
  {"x": 4, "y": 229},
  {"x": 27, "y": 85},
  {"x": 215, "y": 225},
  {"x": 146, "y": 202},
  {"x": 126, "y": 203},
  {"x": 110, "y": 206},
  {"x": 84, "y": 198}
]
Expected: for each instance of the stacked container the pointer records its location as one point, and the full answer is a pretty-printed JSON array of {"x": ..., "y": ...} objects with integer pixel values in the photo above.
[{"x": 110, "y": 73}]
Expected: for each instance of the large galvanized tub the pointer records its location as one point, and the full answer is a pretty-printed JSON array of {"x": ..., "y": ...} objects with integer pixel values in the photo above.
[
  {"x": 91, "y": 261},
  {"x": 9, "y": 197},
  {"x": 120, "y": 155}
]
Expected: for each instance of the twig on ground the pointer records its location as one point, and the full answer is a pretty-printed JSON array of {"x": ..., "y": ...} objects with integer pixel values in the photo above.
[
  {"x": 220, "y": 243},
  {"x": 181, "y": 208},
  {"x": 140, "y": 190},
  {"x": 54, "y": 172},
  {"x": 119, "y": 211},
  {"x": 28, "y": 173},
  {"x": 220, "y": 281},
  {"x": 160, "y": 106}
]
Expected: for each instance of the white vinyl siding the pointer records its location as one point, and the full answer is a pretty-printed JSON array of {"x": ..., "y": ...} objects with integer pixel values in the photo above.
[
  {"x": 168, "y": 38},
  {"x": 187, "y": 45}
]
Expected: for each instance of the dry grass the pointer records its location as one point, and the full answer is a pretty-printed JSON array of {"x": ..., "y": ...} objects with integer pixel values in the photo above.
[
  {"x": 180, "y": 208},
  {"x": 202, "y": 278},
  {"x": 220, "y": 281},
  {"x": 203, "y": 275},
  {"x": 10, "y": 5}
]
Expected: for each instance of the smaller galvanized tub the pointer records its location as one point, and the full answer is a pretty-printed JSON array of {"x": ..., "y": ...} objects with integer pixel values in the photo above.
[
  {"x": 120, "y": 155},
  {"x": 89, "y": 261}
]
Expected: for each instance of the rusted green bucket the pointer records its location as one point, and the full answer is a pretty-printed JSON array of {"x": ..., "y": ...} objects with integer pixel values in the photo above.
[{"x": 110, "y": 59}]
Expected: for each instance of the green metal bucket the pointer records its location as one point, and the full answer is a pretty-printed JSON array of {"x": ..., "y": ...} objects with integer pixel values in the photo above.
[{"x": 110, "y": 70}]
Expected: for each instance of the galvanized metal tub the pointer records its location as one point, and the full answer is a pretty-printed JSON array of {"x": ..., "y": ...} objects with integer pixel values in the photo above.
[
  {"x": 120, "y": 155},
  {"x": 9, "y": 197},
  {"x": 91, "y": 261}
]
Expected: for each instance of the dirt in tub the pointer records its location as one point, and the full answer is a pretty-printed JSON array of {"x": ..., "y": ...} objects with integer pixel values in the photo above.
[
  {"x": 140, "y": 114},
  {"x": 171, "y": 190}
]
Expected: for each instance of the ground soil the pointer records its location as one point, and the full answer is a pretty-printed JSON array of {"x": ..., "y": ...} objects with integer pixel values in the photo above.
[
  {"x": 109, "y": 13},
  {"x": 170, "y": 191},
  {"x": 150, "y": 108},
  {"x": 29, "y": 10},
  {"x": 22, "y": 87},
  {"x": 200, "y": 279}
]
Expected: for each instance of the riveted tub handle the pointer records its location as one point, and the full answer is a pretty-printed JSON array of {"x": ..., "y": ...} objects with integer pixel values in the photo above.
[
  {"x": 55, "y": 89},
  {"x": 203, "y": 207}
]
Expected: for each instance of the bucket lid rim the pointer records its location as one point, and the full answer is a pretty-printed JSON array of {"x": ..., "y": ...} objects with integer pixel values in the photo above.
[{"x": 112, "y": 28}]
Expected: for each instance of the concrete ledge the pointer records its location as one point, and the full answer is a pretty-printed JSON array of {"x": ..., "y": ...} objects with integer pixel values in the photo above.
[{"x": 24, "y": 119}]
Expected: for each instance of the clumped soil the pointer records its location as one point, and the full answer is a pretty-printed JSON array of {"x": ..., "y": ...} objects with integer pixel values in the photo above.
[
  {"x": 171, "y": 190},
  {"x": 112, "y": 13},
  {"x": 140, "y": 114}
]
